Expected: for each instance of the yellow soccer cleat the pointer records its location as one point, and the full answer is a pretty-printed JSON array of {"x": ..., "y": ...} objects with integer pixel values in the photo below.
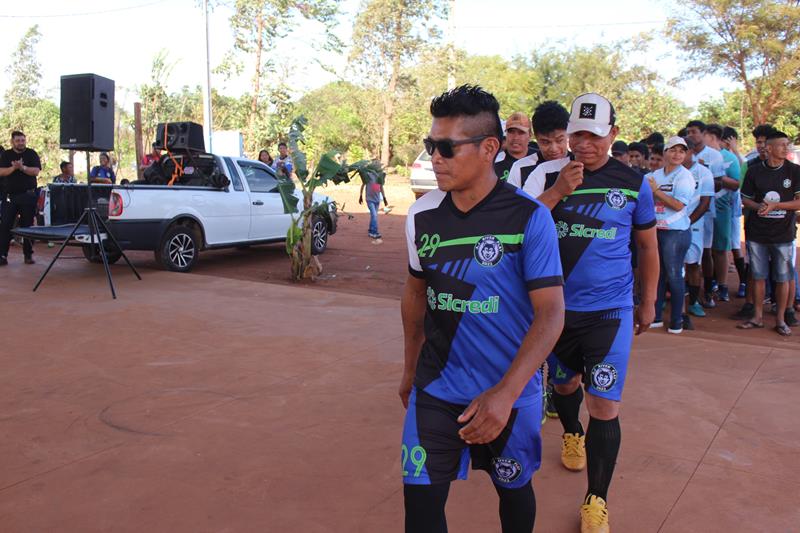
[
  {"x": 594, "y": 515},
  {"x": 573, "y": 451}
]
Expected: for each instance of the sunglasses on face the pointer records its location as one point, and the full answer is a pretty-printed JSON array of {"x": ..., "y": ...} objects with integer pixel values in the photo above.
[{"x": 445, "y": 146}]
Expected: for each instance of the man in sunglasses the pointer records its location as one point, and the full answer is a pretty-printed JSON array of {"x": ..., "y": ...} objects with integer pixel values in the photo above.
[
  {"x": 482, "y": 308},
  {"x": 518, "y": 137},
  {"x": 598, "y": 205}
]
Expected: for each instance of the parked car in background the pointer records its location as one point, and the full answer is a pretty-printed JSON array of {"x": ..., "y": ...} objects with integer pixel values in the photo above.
[{"x": 422, "y": 176}]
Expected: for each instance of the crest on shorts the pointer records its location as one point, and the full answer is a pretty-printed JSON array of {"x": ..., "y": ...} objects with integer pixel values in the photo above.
[
  {"x": 787, "y": 183},
  {"x": 562, "y": 228},
  {"x": 604, "y": 377},
  {"x": 506, "y": 470},
  {"x": 488, "y": 251},
  {"x": 615, "y": 199}
]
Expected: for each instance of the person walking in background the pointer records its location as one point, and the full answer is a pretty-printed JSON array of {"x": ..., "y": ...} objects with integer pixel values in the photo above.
[
  {"x": 374, "y": 194},
  {"x": 103, "y": 171},
  {"x": 19, "y": 168},
  {"x": 283, "y": 166}
]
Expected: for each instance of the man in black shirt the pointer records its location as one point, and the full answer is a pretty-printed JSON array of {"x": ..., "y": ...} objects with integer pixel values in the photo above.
[
  {"x": 19, "y": 168},
  {"x": 771, "y": 191},
  {"x": 517, "y": 144}
]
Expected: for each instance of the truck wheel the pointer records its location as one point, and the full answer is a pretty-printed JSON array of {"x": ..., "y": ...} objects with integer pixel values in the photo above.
[
  {"x": 179, "y": 248},
  {"x": 319, "y": 235},
  {"x": 92, "y": 254}
]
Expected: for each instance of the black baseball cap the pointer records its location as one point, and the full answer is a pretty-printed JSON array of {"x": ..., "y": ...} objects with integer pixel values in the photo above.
[{"x": 619, "y": 148}]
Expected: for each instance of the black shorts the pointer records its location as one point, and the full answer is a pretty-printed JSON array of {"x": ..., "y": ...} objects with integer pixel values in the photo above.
[
  {"x": 596, "y": 344},
  {"x": 432, "y": 451}
]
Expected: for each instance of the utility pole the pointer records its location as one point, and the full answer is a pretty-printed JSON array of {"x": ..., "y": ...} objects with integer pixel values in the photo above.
[
  {"x": 451, "y": 46},
  {"x": 207, "y": 115}
]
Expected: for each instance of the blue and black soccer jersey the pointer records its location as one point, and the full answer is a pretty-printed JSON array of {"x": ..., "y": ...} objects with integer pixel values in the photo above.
[
  {"x": 594, "y": 226},
  {"x": 479, "y": 267}
]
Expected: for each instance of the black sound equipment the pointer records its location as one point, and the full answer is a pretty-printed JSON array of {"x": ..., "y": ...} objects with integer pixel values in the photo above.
[
  {"x": 180, "y": 136},
  {"x": 87, "y": 112}
]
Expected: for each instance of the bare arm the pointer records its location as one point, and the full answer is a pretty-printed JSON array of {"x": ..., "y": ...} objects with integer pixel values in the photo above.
[
  {"x": 5, "y": 171},
  {"x": 488, "y": 413},
  {"x": 361, "y": 194},
  {"x": 750, "y": 204},
  {"x": 412, "y": 309},
  {"x": 383, "y": 193},
  {"x": 700, "y": 210},
  {"x": 668, "y": 200},
  {"x": 569, "y": 178},
  {"x": 647, "y": 249},
  {"x": 31, "y": 171},
  {"x": 725, "y": 182}
]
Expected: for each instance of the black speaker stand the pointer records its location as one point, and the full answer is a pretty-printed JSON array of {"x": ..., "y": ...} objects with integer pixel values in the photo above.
[{"x": 94, "y": 222}]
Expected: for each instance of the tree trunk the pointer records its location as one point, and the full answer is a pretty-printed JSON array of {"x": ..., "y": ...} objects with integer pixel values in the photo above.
[
  {"x": 389, "y": 100},
  {"x": 256, "y": 80}
]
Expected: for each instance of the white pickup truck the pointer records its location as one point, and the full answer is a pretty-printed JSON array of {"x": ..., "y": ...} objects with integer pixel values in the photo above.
[{"x": 177, "y": 222}]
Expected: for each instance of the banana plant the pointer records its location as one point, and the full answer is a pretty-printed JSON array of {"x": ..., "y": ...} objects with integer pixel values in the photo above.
[{"x": 330, "y": 169}]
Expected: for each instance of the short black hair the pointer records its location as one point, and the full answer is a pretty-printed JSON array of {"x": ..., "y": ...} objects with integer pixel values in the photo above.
[
  {"x": 729, "y": 133},
  {"x": 699, "y": 124},
  {"x": 683, "y": 132},
  {"x": 619, "y": 147},
  {"x": 63, "y": 165},
  {"x": 17, "y": 133},
  {"x": 763, "y": 130},
  {"x": 715, "y": 130},
  {"x": 654, "y": 138},
  {"x": 283, "y": 144},
  {"x": 658, "y": 149},
  {"x": 470, "y": 101},
  {"x": 639, "y": 147},
  {"x": 548, "y": 117},
  {"x": 777, "y": 134}
]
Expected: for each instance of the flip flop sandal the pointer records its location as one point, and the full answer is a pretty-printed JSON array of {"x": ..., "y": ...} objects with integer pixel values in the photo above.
[
  {"x": 783, "y": 330},
  {"x": 751, "y": 325}
]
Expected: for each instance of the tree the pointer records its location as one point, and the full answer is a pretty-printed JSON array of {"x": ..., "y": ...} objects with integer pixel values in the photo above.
[
  {"x": 258, "y": 24},
  {"x": 753, "y": 42},
  {"x": 387, "y": 36},
  {"x": 25, "y": 71}
]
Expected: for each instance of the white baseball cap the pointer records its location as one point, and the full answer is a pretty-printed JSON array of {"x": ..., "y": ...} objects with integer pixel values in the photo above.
[
  {"x": 593, "y": 113},
  {"x": 675, "y": 141}
]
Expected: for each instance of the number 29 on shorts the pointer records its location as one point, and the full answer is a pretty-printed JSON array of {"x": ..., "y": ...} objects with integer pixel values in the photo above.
[{"x": 417, "y": 454}]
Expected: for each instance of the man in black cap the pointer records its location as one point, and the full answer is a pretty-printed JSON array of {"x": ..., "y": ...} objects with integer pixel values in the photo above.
[
  {"x": 19, "y": 166},
  {"x": 619, "y": 151}
]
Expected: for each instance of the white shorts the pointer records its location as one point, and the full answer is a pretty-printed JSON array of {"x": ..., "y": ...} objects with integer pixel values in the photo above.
[
  {"x": 736, "y": 233},
  {"x": 708, "y": 232},
  {"x": 694, "y": 255}
]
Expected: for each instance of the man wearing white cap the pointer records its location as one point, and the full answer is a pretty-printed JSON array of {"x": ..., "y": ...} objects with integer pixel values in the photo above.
[{"x": 598, "y": 205}]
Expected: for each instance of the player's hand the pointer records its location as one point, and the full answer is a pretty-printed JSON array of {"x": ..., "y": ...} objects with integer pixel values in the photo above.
[
  {"x": 360, "y": 200},
  {"x": 17, "y": 164},
  {"x": 645, "y": 314},
  {"x": 767, "y": 207},
  {"x": 570, "y": 178},
  {"x": 653, "y": 185},
  {"x": 405, "y": 388},
  {"x": 487, "y": 416}
]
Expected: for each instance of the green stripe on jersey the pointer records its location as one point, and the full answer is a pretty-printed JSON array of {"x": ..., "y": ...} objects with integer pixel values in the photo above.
[
  {"x": 505, "y": 239},
  {"x": 627, "y": 192}
]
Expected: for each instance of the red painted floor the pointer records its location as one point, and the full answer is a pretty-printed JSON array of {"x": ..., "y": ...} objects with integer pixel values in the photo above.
[{"x": 198, "y": 403}]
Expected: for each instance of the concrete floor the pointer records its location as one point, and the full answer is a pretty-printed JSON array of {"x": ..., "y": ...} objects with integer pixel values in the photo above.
[{"x": 200, "y": 404}]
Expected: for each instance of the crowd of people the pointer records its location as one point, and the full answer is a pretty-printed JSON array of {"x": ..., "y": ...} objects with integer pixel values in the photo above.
[
  {"x": 560, "y": 250},
  {"x": 698, "y": 177}
]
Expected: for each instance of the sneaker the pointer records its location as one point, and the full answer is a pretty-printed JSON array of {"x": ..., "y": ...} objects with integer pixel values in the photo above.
[
  {"x": 790, "y": 318},
  {"x": 696, "y": 309},
  {"x": 29, "y": 260},
  {"x": 378, "y": 236},
  {"x": 742, "y": 290},
  {"x": 573, "y": 451},
  {"x": 550, "y": 406},
  {"x": 724, "y": 296},
  {"x": 714, "y": 286},
  {"x": 773, "y": 309},
  {"x": 3, "y": 260},
  {"x": 747, "y": 312},
  {"x": 675, "y": 329},
  {"x": 687, "y": 323},
  {"x": 594, "y": 515},
  {"x": 657, "y": 324},
  {"x": 372, "y": 235},
  {"x": 709, "y": 303}
]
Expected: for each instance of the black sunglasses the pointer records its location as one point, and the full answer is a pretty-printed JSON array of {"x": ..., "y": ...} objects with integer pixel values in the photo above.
[{"x": 445, "y": 146}]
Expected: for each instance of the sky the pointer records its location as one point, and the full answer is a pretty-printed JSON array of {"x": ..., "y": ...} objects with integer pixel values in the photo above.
[{"x": 119, "y": 38}]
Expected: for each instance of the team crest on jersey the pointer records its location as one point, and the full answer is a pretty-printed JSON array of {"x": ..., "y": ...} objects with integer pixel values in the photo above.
[
  {"x": 488, "y": 251},
  {"x": 562, "y": 228},
  {"x": 615, "y": 199},
  {"x": 604, "y": 377},
  {"x": 787, "y": 183},
  {"x": 506, "y": 470}
]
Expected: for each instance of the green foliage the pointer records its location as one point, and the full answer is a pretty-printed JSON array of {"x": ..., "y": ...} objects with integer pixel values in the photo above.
[
  {"x": 753, "y": 42},
  {"x": 25, "y": 72}
]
